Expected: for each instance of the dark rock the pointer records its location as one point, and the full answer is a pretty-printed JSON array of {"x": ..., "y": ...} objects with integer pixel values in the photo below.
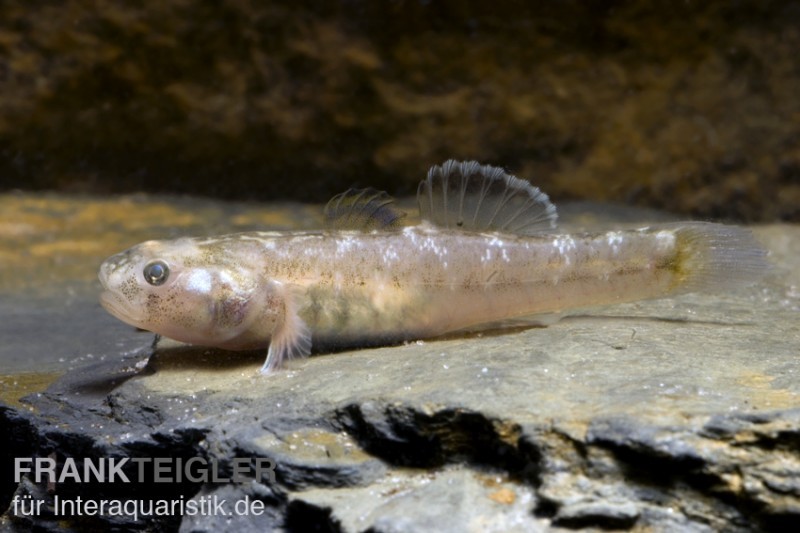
[{"x": 602, "y": 515}]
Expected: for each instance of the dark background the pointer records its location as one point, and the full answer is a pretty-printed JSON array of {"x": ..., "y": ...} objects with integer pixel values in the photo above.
[{"x": 692, "y": 107}]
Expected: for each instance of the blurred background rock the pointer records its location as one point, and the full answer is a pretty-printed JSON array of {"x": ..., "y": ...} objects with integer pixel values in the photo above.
[{"x": 692, "y": 107}]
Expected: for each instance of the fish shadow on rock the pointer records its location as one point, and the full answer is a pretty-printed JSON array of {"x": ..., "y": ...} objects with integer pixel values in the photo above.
[
  {"x": 169, "y": 355},
  {"x": 185, "y": 357},
  {"x": 688, "y": 321},
  {"x": 92, "y": 382}
]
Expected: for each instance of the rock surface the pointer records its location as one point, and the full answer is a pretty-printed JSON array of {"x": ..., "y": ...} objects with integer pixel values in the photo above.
[{"x": 672, "y": 414}]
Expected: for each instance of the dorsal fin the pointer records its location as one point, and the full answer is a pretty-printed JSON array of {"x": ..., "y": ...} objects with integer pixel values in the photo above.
[
  {"x": 363, "y": 210},
  {"x": 470, "y": 196}
]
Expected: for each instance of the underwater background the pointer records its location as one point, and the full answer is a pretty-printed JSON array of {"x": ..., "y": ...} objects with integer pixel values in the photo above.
[{"x": 690, "y": 107}]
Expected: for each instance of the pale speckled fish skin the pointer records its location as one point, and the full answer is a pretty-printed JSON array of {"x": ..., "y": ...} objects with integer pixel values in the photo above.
[
  {"x": 357, "y": 289},
  {"x": 290, "y": 291}
]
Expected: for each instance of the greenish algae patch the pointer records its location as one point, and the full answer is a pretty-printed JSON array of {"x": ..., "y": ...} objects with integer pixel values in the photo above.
[
  {"x": 16, "y": 386},
  {"x": 765, "y": 395},
  {"x": 315, "y": 444}
]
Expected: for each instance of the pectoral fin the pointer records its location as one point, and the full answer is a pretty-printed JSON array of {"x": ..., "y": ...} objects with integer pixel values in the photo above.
[{"x": 291, "y": 337}]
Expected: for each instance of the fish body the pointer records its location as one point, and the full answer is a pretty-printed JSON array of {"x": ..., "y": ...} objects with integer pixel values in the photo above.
[{"x": 463, "y": 266}]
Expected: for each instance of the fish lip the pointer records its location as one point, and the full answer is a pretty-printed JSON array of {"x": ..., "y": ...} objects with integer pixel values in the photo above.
[{"x": 119, "y": 308}]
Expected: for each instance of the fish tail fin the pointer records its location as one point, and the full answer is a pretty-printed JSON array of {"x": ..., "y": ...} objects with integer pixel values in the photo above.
[{"x": 717, "y": 257}]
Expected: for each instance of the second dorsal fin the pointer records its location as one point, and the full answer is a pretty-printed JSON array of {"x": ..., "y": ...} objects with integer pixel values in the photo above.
[
  {"x": 363, "y": 210},
  {"x": 474, "y": 197}
]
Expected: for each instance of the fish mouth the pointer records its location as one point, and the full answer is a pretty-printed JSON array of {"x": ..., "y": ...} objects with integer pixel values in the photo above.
[
  {"x": 110, "y": 299},
  {"x": 118, "y": 307}
]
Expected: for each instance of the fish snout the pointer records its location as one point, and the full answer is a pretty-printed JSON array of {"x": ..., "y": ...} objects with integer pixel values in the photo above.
[{"x": 113, "y": 265}]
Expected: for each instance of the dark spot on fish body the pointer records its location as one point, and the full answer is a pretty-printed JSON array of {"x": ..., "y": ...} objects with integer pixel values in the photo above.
[
  {"x": 208, "y": 256},
  {"x": 311, "y": 311},
  {"x": 325, "y": 311},
  {"x": 675, "y": 265},
  {"x": 130, "y": 288},
  {"x": 183, "y": 319},
  {"x": 154, "y": 309},
  {"x": 471, "y": 283},
  {"x": 190, "y": 262},
  {"x": 153, "y": 302},
  {"x": 230, "y": 310},
  {"x": 343, "y": 313},
  {"x": 621, "y": 276}
]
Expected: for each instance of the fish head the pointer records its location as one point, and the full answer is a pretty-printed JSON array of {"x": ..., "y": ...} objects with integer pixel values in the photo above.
[{"x": 187, "y": 290}]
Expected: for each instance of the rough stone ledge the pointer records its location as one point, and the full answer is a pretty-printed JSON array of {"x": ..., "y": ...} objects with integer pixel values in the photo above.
[{"x": 355, "y": 466}]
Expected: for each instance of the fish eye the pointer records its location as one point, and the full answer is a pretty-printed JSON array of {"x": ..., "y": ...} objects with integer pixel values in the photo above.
[{"x": 156, "y": 272}]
